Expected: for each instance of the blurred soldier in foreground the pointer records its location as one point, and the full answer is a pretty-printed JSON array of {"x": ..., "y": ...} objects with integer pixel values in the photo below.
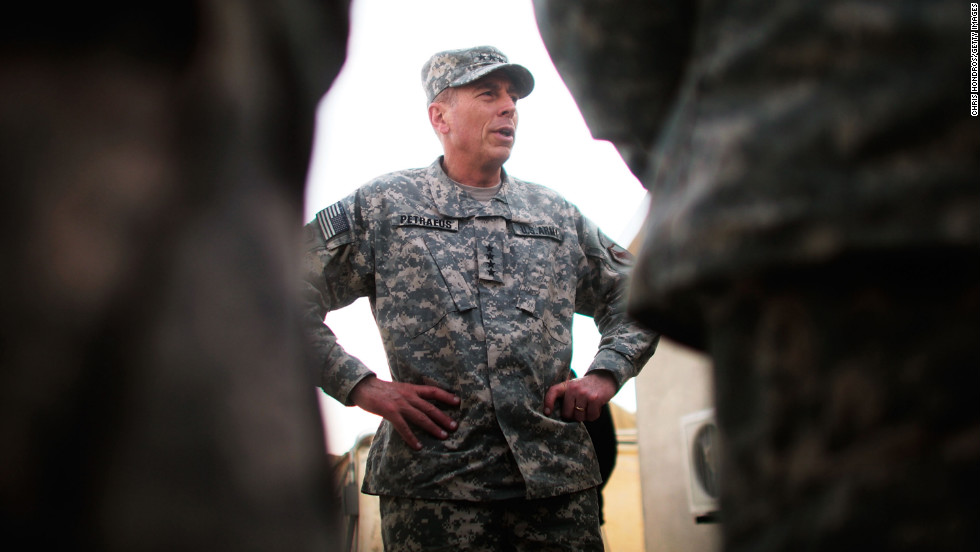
[
  {"x": 153, "y": 385},
  {"x": 815, "y": 227}
]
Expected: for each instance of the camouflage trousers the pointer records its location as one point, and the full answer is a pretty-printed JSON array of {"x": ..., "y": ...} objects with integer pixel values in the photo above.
[{"x": 563, "y": 523}]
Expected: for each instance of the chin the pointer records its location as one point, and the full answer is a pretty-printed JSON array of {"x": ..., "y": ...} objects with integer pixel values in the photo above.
[{"x": 502, "y": 155}]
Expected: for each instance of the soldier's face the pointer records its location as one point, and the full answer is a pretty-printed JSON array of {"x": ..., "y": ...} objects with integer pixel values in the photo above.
[{"x": 483, "y": 121}]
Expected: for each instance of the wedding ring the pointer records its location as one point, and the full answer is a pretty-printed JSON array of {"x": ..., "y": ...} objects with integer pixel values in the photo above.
[{"x": 580, "y": 409}]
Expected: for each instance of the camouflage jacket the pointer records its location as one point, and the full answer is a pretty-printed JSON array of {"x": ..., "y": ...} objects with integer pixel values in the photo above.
[{"x": 478, "y": 300}]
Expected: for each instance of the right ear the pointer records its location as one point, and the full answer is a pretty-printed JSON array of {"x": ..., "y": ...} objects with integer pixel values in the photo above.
[{"x": 437, "y": 118}]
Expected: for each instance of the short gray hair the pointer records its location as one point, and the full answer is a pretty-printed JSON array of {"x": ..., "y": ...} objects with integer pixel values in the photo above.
[{"x": 447, "y": 96}]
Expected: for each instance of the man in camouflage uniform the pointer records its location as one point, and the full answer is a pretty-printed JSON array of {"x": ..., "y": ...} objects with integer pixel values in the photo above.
[{"x": 474, "y": 277}]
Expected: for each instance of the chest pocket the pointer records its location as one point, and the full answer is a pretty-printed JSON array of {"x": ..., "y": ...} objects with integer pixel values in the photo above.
[
  {"x": 422, "y": 277},
  {"x": 548, "y": 287}
]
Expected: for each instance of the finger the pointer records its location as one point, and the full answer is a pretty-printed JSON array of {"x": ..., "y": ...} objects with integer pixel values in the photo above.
[
  {"x": 551, "y": 396},
  {"x": 430, "y": 392},
  {"x": 568, "y": 405},
  {"x": 406, "y": 433},
  {"x": 432, "y": 419},
  {"x": 421, "y": 421}
]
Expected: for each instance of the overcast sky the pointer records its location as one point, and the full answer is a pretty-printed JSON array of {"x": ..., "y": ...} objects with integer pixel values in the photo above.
[{"x": 373, "y": 120}]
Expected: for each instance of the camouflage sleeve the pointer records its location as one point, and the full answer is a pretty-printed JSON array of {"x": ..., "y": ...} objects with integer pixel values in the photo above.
[
  {"x": 601, "y": 293},
  {"x": 333, "y": 277}
]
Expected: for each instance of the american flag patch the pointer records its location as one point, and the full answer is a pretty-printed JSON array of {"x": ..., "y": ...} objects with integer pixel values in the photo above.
[{"x": 333, "y": 220}]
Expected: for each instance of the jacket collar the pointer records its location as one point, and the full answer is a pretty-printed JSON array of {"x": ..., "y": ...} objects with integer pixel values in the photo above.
[{"x": 511, "y": 201}]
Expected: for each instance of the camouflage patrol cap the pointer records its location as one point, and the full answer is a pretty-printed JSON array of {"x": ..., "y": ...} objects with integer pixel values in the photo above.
[{"x": 454, "y": 68}]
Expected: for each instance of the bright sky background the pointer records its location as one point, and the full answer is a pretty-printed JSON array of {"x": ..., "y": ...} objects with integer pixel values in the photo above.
[{"x": 373, "y": 121}]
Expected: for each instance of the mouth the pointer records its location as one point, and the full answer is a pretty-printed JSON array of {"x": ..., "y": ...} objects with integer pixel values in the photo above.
[{"x": 506, "y": 132}]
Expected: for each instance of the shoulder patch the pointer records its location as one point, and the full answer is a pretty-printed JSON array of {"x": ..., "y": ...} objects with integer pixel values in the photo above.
[
  {"x": 616, "y": 252},
  {"x": 333, "y": 220},
  {"x": 622, "y": 255}
]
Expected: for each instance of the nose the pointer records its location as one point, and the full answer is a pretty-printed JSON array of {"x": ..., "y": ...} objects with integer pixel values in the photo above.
[{"x": 508, "y": 107}]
